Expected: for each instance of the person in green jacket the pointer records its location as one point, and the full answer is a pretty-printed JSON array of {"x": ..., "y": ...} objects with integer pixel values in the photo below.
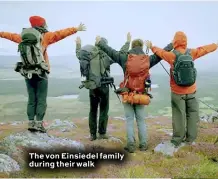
[{"x": 100, "y": 97}]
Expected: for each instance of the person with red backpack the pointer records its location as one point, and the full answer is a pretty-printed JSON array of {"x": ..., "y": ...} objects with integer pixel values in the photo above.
[
  {"x": 185, "y": 109},
  {"x": 135, "y": 64}
]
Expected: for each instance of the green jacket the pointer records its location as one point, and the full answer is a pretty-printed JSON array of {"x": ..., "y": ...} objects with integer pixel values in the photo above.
[{"x": 121, "y": 57}]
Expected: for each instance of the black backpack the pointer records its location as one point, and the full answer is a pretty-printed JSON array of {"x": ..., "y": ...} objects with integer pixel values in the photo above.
[{"x": 184, "y": 71}]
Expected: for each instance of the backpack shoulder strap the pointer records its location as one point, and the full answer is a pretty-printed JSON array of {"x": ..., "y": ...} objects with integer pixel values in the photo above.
[
  {"x": 177, "y": 56},
  {"x": 100, "y": 65},
  {"x": 105, "y": 62},
  {"x": 177, "y": 53}
]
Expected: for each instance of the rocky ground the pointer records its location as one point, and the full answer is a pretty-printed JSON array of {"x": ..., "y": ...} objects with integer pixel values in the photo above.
[
  {"x": 209, "y": 118},
  {"x": 197, "y": 161}
]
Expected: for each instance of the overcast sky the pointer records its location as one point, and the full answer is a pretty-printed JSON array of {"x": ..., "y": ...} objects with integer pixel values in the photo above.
[{"x": 156, "y": 21}]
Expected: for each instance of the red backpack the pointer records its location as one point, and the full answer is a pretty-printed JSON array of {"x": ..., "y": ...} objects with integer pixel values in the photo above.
[{"x": 137, "y": 72}]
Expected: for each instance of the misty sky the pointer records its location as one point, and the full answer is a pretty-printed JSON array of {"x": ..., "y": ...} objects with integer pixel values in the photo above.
[{"x": 156, "y": 21}]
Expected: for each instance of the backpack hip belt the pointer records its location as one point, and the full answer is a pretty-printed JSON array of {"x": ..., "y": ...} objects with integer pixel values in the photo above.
[{"x": 29, "y": 73}]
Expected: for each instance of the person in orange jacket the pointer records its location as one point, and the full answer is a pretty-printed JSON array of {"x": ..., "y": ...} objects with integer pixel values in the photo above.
[
  {"x": 37, "y": 87},
  {"x": 185, "y": 108}
]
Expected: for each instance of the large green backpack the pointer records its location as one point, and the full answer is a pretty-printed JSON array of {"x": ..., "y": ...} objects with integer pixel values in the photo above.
[
  {"x": 94, "y": 66},
  {"x": 184, "y": 71},
  {"x": 31, "y": 53}
]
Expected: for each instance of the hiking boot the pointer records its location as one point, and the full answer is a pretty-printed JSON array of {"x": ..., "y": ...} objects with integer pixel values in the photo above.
[
  {"x": 143, "y": 147},
  {"x": 93, "y": 137},
  {"x": 39, "y": 127},
  {"x": 103, "y": 136},
  {"x": 130, "y": 148},
  {"x": 175, "y": 144},
  {"x": 31, "y": 126}
]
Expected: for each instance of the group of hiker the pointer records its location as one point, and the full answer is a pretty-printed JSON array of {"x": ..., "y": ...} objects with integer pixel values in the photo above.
[{"x": 95, "y": 61}]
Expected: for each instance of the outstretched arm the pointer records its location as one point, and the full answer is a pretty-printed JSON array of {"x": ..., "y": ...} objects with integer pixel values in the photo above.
[
  {"x": 155, "y": 59},
  {"x": 201, "y": 51},
  {"x": 125, "y": 47},
  {"x": 78, "y": 47},
  {"x": 165, "y": 55},
  {"x": 53, "y": 37},
  {"x": 11, "y": 36},
  {"x": 118, "y": 57}
]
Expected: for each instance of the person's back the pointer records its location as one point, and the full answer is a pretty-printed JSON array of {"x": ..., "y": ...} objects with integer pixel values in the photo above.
[
  {"x": 180, "y": 45},
  {"x": 135, "y": 64},
  {"x": 39, "y": 23},
  {"x": 185, "y": 110},
  {"x": 95, "y": 67},
  {"x": 34, "y": 65},
  {"x": 136, "y": 74}
]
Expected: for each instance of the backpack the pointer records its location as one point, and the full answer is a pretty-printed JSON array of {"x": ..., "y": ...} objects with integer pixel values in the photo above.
[
  {"x": 137, "y": 73},
  {"x": 184, "y": 72},
  {"x": 31, "y": 50},
  {"x": 94, "y": 66}
]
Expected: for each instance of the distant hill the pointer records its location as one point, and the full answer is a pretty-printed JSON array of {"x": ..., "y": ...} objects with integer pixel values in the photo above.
[
  {"x": 56, "y": 61},
  {"x": 71, "y": 64},
  {"x": 8, "y": 61}
]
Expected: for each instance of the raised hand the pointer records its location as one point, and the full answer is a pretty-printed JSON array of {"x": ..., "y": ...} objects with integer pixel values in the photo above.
[
  {"x": 97, "y": 39},
  {"x": 148, "y": 44},
  {"x": 129, "y": 37},
  {"x": 78, "y": 40},
  {"x": 81, "y": 27}
]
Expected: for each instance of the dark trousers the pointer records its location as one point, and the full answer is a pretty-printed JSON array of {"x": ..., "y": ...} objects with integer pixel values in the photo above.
[
  {"x": 185, "y": 117},
  {"x": 37, "y": 89},
  {"x": 99, "y": 96}
]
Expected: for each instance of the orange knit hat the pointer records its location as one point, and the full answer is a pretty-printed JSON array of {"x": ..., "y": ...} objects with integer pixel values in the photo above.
[{"x": 37, "y": 21}]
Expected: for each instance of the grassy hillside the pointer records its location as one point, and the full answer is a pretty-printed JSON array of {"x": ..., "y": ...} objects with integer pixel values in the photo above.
[
  {"x": 198, "y": 161},
  {"x": 13, "y": 97}
]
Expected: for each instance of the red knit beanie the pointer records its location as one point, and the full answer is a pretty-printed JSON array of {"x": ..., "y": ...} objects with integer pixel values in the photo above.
[{"x": 37, "y": 21}]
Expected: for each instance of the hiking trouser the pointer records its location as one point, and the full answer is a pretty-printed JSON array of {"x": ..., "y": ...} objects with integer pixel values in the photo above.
[
  {"x": 185, "y": 116},
  {"x": 37, "y": 93},
  {"x": 137, "y": 111},
  {"x": 99, "y": 96}
]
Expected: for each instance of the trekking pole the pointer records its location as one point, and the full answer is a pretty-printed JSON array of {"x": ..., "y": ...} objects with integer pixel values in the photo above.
[
  {"x": 165, "y": 69},
  {"x": 147, "y": 51},
  {"x": 208, "y": 106},
  {"x": 115, "y": 90},
  {"x": 198, "y": 99}
]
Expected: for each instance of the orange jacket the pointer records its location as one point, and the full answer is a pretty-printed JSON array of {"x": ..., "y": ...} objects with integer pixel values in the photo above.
[
  {"x": 48, "y": 38},
  {"x": 180, "y": 44}
]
